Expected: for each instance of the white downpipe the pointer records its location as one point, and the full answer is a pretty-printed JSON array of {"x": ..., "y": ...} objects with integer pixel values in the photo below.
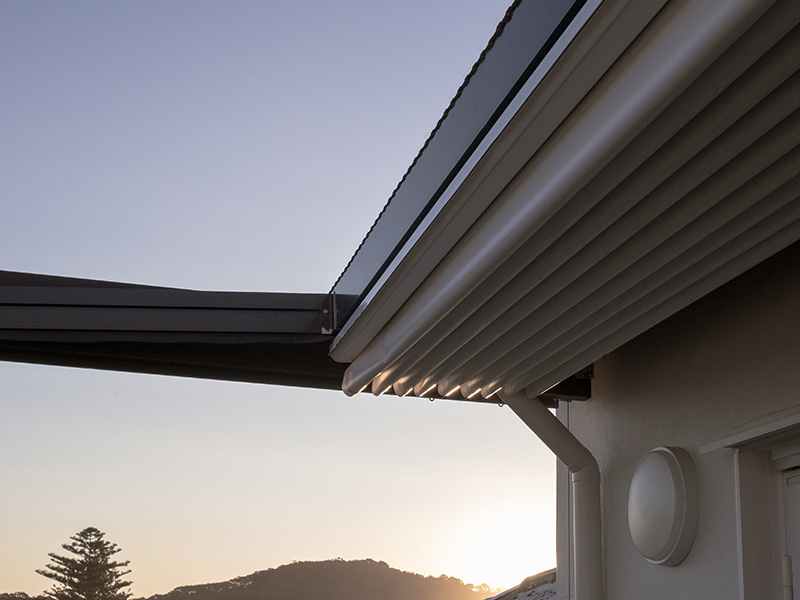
[{"x": 586, "y": 542}]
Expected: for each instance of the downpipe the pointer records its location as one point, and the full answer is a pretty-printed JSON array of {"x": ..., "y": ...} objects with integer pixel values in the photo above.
[{"x": 585, "y": 474}]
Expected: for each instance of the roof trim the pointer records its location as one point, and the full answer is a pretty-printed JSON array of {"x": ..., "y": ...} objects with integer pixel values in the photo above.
[{"x": 235, "y": 336}]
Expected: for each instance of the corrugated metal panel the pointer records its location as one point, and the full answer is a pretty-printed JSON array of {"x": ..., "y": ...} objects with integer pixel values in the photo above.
[{"x": 678, "y": 172}]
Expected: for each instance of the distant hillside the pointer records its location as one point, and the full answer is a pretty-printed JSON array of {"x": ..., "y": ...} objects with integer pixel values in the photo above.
[
  {"x": 346, "y": 580},
  {"x": 331, "y": 580}
]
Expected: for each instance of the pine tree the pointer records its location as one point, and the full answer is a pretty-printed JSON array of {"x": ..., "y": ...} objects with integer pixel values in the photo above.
[{"x": 91, "y": 574}]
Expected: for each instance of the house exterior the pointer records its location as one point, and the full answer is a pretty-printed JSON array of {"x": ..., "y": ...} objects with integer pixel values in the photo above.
[
  {"x": 604, "y": 222},
  {"x": 717, "y": 379}
]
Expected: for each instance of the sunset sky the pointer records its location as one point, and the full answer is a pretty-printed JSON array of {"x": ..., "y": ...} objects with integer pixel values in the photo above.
[{"x": 239, "y": 145}]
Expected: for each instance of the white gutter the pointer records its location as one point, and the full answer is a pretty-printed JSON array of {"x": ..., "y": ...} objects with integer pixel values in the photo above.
[{"x": 587, "y": 550}]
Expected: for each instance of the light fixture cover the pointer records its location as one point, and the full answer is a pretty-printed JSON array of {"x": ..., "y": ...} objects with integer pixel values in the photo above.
[{"x": 664, "y": 505}]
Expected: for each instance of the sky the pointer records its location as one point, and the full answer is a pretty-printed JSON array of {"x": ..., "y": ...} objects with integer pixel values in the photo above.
[{"x": 238, "y": 146}]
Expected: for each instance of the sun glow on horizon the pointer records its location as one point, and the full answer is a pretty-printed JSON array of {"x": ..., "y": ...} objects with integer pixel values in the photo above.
[{"x": 502, "y": 543}]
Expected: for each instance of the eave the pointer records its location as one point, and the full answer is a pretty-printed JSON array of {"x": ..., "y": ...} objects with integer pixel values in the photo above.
[{"x": 650, "y": 161}]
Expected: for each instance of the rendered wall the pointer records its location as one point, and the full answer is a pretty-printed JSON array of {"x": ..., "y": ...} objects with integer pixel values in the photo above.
[{"x": 726, "y": 361}]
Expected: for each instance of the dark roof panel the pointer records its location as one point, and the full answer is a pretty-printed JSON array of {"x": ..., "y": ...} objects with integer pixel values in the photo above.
[
  {"x": 237, "y": 336},
  {"x": 522, "y": 39}
]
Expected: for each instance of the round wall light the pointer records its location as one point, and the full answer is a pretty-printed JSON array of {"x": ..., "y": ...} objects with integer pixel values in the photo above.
[{"x": 664, "y": 506}]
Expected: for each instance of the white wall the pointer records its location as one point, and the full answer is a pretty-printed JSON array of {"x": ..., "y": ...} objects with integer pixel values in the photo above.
[{"x": 703, "y": 375}]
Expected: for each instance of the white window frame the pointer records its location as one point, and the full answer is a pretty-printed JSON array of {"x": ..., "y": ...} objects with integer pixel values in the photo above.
[{"x": 762, "y": 452}]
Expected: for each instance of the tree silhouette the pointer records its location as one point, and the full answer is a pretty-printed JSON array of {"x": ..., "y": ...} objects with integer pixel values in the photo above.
[{"x": 91, "y": 574}]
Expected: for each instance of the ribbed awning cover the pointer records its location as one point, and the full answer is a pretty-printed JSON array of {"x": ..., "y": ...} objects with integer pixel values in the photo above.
[{"x": 653, "y": 159}]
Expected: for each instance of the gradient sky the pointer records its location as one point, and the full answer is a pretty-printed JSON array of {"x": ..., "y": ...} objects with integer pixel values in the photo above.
[{"x": 238, "y": 146}]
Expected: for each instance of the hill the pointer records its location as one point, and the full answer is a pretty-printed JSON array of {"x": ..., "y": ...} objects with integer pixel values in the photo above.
[
  {"x": 331, "y": 580},
  {"x": 345, "y": 580}
]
